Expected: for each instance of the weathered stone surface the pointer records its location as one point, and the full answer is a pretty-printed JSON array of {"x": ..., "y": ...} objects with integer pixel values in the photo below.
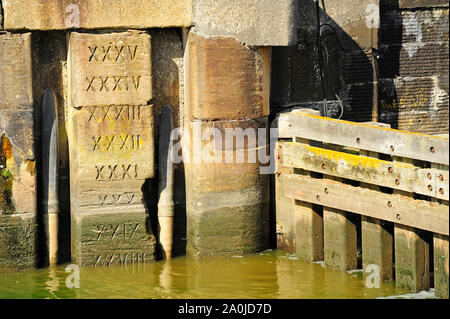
[
  {"x": 253, "y": 22},
  {"x": 409, "y": 4},
  {"x": 18, "y": 171},
  {"x": 16, "y": 75},
  {"x": 107, "y": 239},
  {"x": 226, "y": 80},
  {"x": 111, "y": 68},
  {"x": 17, "y": 242},
  {"x": 18, "y": 161},
  {"x": 414, "y": 68},
  {"x": 114, "y": 144},
  {"x": 346, "y": 54},
  {"x": 227, "y": 200},
  {"x": 355, "y": 19},
  {"x": 96, "y": 14},
  {"x": 17, "y": 155},
  {"x": 418, "y": 26},
  {"x": 227, "y": 204},
  {"x": 111, "y": 140}
]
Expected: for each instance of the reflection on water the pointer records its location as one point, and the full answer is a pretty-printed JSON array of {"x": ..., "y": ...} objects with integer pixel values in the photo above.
[{"x": 270, "y": 274}]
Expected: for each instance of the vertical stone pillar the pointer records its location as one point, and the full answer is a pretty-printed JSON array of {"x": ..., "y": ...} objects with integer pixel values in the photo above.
[
  {"x": 227, "y": 90},
  {"x": 17, "y": 156},
  {"x": 111, "y": 147}
]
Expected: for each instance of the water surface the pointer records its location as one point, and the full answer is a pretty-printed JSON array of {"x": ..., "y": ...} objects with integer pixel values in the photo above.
[{"x": 271, "y": 274}]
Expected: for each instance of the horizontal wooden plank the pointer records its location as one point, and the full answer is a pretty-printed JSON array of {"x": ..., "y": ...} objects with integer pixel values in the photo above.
[
  {"x": 371, "y": 138},
  {"x": 281, "y": 121},
  {"x": 396, "y": 175},
  {"x": 395, "y": 208}
]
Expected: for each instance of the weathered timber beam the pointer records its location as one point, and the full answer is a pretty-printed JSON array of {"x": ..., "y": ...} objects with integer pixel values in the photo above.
[
  {"x": 376, "y": 139},
  {"x": 394, "y": 208},
  {"x": 396, "y": 175}
]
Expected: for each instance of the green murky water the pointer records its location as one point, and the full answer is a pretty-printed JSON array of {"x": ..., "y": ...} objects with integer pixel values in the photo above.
[{"x": 270, "y": 274}]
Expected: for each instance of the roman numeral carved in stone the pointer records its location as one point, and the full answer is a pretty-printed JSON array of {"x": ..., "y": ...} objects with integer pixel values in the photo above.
[
  {"x": 112, "y": 53},
  {"x": 115, "y": 199},
  {"x": 116, "y": 231},
  {"x": 116, "y": 142},
  {"x": 113, "y": 83},
  {"x": 116, "y": 172},
  {"x": 114, "y": 112}
]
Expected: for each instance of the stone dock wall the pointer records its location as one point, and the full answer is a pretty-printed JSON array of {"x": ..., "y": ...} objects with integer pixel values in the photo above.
[{"x": 113, "y": 65}]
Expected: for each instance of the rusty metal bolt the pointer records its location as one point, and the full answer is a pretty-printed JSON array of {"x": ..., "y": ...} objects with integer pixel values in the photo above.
[
  {"x": 318, "y": 198},
  {"x": 392, "y": 148},
  {"x": 441, "y": 178},
  {"x": 389, "y": 204},
  {"x": 326, "y": 190},
  {"x": 441, "y": 191},
  {"x": 430, "y": 188},
  {"x": 390, "y": 170},
  {"x": 398, "y": 217},
  {"x": 429, "y": 175},
  {"x": 324, "y": 166},
  {"x": 397, "y": 182},
  {"x": 358, "y": 140},
  {"x": 432, "y": 150}
]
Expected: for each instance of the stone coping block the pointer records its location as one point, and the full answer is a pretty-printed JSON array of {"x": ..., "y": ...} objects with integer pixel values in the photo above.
[
  {"x": 253, "y": 22},
  {"x": 95, "y": 14}
]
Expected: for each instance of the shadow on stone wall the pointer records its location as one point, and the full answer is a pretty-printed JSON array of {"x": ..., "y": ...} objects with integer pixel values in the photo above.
[
  {"x": 347, "y": 69},
  {"x": 411, "y": 67},
  {"x": 49, "y": 61}
]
